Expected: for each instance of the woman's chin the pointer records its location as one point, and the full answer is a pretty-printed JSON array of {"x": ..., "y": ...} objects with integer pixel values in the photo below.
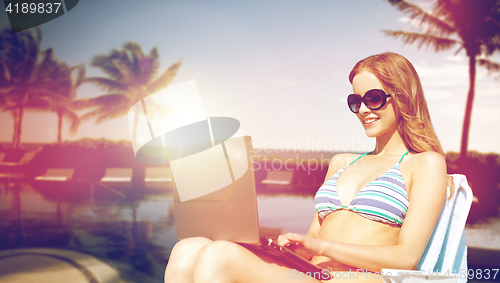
[{"x": 371, "y": 133}]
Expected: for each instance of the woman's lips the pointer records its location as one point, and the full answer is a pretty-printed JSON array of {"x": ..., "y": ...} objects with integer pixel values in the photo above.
[{"x": 370, "y": 121}]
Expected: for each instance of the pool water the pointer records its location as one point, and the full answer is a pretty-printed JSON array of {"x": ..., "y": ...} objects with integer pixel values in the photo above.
[{"x": 134, "y": 234}]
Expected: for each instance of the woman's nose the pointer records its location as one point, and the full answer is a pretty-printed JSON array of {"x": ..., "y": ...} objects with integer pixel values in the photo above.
[{"x": 363, "y": 108}]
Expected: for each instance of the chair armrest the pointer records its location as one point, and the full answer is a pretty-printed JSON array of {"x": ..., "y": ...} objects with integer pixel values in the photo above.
[{"x": 401, "y": 275}]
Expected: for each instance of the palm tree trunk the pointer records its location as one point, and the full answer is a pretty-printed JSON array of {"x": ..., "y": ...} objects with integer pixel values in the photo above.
[
  {"x": 134, "y": 129},
  {"x": 468, "y": 112},
  {"x": 15, "y": 116},
  {"x": 59, "y": 126},
  {"x": 18, "y": 128},
  {"x": 19, "y": 124}
]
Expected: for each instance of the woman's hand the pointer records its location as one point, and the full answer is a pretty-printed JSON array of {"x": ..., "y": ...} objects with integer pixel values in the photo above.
[{"x": 305, "y": 246}]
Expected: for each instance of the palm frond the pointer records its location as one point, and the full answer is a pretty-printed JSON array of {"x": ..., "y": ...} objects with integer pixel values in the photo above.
[
  {"x": 123, "y": 58},
  {"x": 107, "y": 111},
  {"x": 489, "y": 35},
  {"x": 491, "y": 66},
  {"x": 136, "y": 55},
  {"x": 48, "y": 63},
  {"x": 38, "y": 35},
  {"x": 73, "y": 118},
  {"x": 38, "y": 104},
  {"x": 127, "y": 75},
  {"x": 151, "y": 67},
  {"x": 437, "y": 42},
  {"x": 81, "y": 104},
  {"x": 134, "y": 48},
  {"x": 103, "y": 104},
  {"x": 6, "y": 90},
  {"x": 105, "y": 63},
  {"x": 46, "y": 94},
  {"x": 10, "y": 107},
  {"x": 164, "y": 79},
  {"x": 5, "y": 73},
  {"x": 112, "y": 113},
  {"x": 80, "y": 74},
  {"x": 153, "y": 53},
  {"x": 414, "y": 12},
  {"x": 109, "y": 99},
  {"x": 107, "y": 84},
  {"x": 91, "y": 114}
]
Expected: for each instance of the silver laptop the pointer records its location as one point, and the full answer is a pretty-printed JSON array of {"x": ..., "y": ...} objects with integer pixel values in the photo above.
[{"x": 231, "y": 214}]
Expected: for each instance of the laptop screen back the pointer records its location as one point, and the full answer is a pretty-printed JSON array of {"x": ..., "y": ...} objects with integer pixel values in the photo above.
[{"x": 229, "y": 213}]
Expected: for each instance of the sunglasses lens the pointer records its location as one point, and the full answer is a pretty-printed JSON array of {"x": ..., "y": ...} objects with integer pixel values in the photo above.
[
  {"x": 374, "y": 99},
  {"x": 354, "y": 102}
]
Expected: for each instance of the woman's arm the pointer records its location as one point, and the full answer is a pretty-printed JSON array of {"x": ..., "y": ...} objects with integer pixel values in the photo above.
[{"x": 427, "y": 194}]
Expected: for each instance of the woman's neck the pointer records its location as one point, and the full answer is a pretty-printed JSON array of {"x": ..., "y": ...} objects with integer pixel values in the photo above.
[{"x": 391, "y": 144}]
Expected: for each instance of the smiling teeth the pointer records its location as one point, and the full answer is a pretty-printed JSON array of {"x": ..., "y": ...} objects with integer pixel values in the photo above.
[{"x": 370, "y": 121}]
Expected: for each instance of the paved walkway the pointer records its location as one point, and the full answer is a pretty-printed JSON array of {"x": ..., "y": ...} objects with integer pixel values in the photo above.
[{"x": 43, "y": 265}]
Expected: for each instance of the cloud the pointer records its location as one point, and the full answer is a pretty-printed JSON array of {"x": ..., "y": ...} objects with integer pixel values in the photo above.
[
  {"x": 456, "y": 58},
  {"x": 403, "y": 20}
]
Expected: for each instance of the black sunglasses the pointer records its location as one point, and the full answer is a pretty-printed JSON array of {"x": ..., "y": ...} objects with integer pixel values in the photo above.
[{"x": 374, "y": 99}]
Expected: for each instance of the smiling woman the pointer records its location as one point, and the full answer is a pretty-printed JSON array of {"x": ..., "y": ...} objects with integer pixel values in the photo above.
[{"x": 377, "y": 213}]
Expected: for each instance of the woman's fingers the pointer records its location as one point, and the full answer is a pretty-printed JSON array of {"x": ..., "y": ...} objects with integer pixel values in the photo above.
[
  {"x": 282, "y": 240},
  {"x": 310, "y": 244},
  {"x": 295, "y": 238},
  {"x": 286, "y": 239},
  {"x": 303, "y": 245}
]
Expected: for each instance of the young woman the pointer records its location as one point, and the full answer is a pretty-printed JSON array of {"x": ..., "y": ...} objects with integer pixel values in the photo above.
[{"x": 374, "y": 211}]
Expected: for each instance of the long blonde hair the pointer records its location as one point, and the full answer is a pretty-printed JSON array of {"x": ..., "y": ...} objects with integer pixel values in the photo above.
[{"x": 399, "y": 78}]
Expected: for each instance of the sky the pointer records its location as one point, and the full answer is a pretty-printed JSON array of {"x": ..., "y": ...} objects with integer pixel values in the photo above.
[{"x": 279, "y": 67}]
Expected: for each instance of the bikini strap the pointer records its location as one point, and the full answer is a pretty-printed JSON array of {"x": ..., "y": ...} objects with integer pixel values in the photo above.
[
  {"x": 403, "y": 156},
  {"x": 359, "y": 157}
]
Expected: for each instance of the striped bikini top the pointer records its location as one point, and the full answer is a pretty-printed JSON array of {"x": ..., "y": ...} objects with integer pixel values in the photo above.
[{"x": 383, "y": 199}]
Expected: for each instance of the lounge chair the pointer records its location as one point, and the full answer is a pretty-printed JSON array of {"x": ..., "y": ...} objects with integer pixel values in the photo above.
[
  {"x": 278, "y": 179},
  {"x": 157, "y": 177},
  {"x": 445, "y": 257},
  {"x": 57, "y": 175},
  {"x": 117, "y": 177},
  {"x": 25, "y": 159},
  {"x": 14, "y": 170}
]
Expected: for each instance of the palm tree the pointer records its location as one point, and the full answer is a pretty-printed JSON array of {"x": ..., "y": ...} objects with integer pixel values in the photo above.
[
  {"x": 131, "y": 78},
  {"x": 467, "y": 24},
  {"x": 23, "y": 76},
  {"x": 65, "y": 86},
  {"x": 67, "y": 109}
]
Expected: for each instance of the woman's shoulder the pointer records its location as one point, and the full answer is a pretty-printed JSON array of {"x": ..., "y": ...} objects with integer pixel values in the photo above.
[
  {"x": 426, "y": 172},
  {"x": 427, "y": 158},
  {"x": 427, "y": 161}
]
